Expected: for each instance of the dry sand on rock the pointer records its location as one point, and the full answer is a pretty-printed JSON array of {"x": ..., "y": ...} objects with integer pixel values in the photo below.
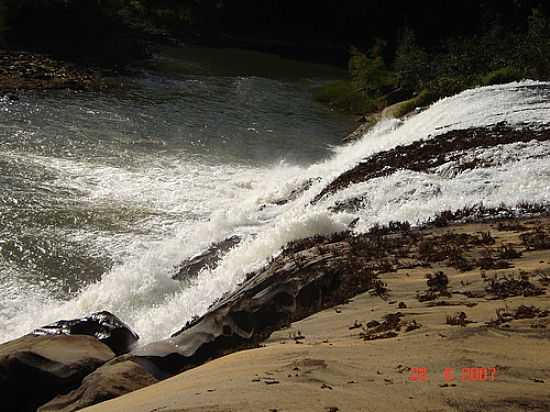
[{"x": 332, "y": 361}]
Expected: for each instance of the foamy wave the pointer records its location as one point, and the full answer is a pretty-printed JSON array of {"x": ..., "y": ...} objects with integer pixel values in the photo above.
[{"x": 141, "y": 290}]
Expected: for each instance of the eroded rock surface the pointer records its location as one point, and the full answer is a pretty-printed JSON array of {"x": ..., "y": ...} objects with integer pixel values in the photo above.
[
  {"x": 35, "y": 369},
  {"x": 305, "y": 278},
  {"x": 108, "y": 382}
]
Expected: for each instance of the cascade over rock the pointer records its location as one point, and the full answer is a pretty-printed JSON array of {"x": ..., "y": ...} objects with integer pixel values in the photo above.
[{"x": 209, "y": 258}]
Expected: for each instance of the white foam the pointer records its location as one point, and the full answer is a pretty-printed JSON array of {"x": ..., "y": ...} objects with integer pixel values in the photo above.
[{"x": 212, "y": 202}]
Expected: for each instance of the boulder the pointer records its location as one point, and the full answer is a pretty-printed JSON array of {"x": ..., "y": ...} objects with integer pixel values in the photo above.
[
  {"x": 209, "y": 258},
  {"x": 35, "y": 369},
  {"x": 110, "y": 381},
  {"x": 105, "y": 326}
]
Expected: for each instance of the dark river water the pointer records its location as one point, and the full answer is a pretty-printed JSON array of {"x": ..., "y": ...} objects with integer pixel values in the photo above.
[{"x": 91, "y": 182}]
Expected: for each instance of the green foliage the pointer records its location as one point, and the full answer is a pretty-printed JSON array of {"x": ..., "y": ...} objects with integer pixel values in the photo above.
[
  {"x": 445, "y": 86},
  {"x": 536, "y": 46},
  {"x": 3, "y": 21},
  {"x": 342, "y": 95},
  {"x": 502, "y": 75},
  {"x": 412, "y": 63},
  {"x": 369, "y": 74},
  {"x": 473, "y": 43},
  {"x": 423, "y": 98}
]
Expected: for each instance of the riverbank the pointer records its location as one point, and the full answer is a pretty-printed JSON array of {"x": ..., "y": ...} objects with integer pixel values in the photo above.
[
  {"x": 368, "y": 354},
  {"x": 21, "y": 70}
]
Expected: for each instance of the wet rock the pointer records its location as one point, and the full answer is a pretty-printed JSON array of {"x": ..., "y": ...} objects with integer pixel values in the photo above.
[
  {"x": 349, "y": 205},
  {"x": 479, "y": 213},
  {"x": 108, "y": 382},
  {"x": 372, "y": 324},
  {"x": 35, "y": 369},
  {"x": 210, "y": 258},
  {"x": 509, "y": 252},
  {"x": 294, "y": 194},
  {"x": 104, "y": 326},
  {"x": 475, "y": 293}
]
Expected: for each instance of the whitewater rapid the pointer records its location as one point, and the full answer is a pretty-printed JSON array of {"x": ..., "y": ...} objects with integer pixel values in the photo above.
[{"x": 139, "y": 288}]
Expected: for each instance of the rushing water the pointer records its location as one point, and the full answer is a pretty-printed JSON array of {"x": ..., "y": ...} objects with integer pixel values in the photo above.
[
  {"x": 91, "y": 183},
  {"x": 140, "y": 182}
]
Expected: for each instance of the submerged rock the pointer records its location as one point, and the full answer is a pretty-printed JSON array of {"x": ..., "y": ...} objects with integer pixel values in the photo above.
[
  {"x": 35, "y": 369},
  {"x": 108, "y": 382},
  {"x": 210, "y": 258},
  {"x": 294, "y": 194},
  {"x": 428, "y": 155},
  {"x": 105, "y": 326}
]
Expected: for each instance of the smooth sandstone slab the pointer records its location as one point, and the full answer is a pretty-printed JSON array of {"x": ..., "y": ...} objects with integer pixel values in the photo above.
[
  {"x": 34, "y": 369},
  {"x": 108, "y": 382}
]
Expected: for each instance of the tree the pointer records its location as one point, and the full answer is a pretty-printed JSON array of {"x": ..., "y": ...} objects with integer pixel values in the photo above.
[
  {"x": 369, "y": 73},
  {"x": 537, "y": 44},
  {"x": 412, "y": 63},
  {"x": 3, "y": 22}
]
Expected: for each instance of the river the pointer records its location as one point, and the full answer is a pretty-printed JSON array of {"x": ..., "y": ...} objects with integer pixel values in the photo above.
[
  {"x": 133, "y": 181},
  {"x": 105, "y": 195}
]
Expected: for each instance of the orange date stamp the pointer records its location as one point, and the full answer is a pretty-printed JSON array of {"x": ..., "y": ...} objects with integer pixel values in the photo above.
[{"x": 452, "y": 375}]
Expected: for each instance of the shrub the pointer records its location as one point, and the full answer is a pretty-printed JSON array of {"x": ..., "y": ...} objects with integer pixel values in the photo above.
[
  {"x": 369, "y": 73},
  {"x": 536, "y": 46},
  {"x": 502, "y": 75},
  {"x": 3, "y": 21},
  {"x": 423, "y": 98},
  {"x": 342, "y": 96},
  {"x": 412, "y": 63},
  {"x": 445, "y": 86}
]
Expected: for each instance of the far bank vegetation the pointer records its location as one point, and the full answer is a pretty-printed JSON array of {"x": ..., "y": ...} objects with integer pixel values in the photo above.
[{"x": 417, "y": 74}]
